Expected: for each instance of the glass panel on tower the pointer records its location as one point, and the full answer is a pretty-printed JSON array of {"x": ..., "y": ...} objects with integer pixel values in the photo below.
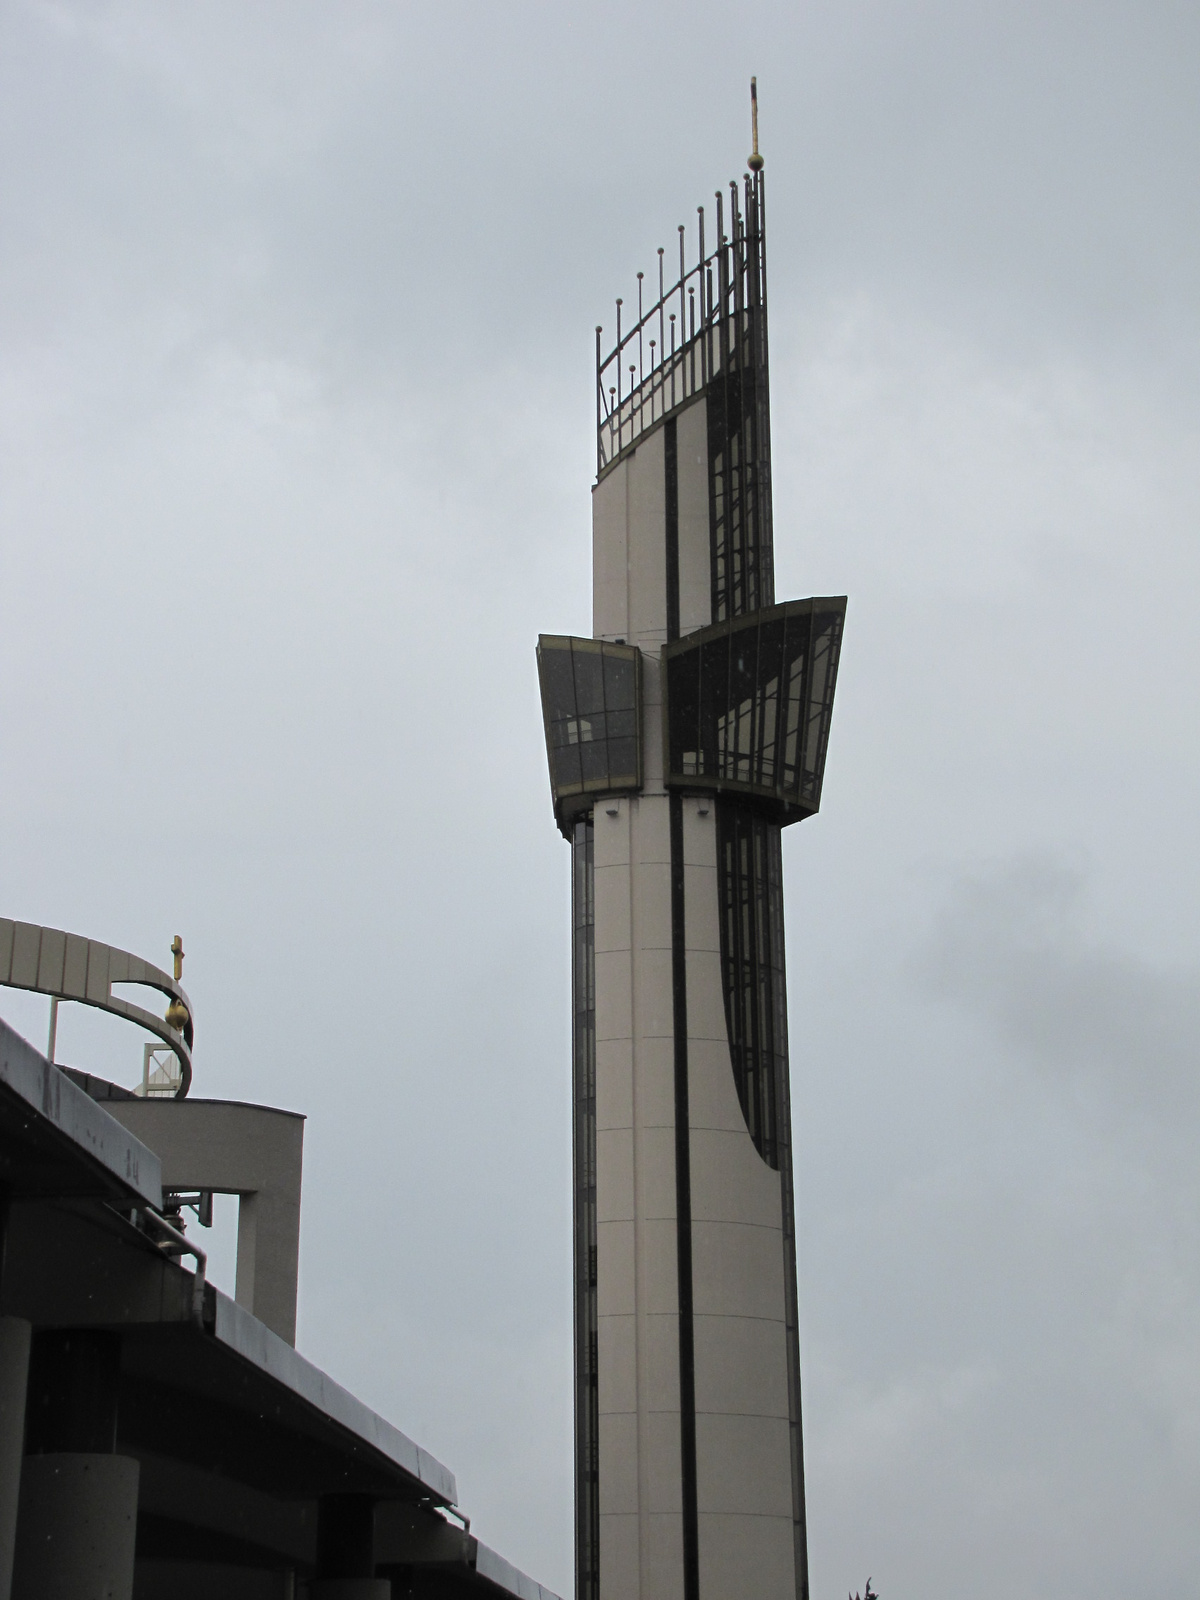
[
  {"x": 747, "y": 705},
  {"x": 592, "y": 709}
]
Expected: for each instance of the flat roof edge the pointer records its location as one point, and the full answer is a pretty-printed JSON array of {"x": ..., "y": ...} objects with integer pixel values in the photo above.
[
  {"x": 504, "y": 1575},
  {"x": 251, "y": 1339},
  {"x": 80, "y": 1119}
]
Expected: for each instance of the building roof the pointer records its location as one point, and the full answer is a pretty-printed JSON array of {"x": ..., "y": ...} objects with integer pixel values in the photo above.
[
  {"x": 238, "y": 1434},
  {"x": 55, "y": 1140}
]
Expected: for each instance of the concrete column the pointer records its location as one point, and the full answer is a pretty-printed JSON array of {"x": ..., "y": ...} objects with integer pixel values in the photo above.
[
  {"x": 77, "y": 1522},
  {"x": 78, "y": 1527},
  {"x": 15, "y": 1335}
]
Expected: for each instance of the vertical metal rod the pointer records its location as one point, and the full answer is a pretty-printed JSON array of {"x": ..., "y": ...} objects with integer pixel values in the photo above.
[
  {"x": 710, "y": 359},
  {"x": 682, "y": 300},
  {"x": 53, "y": 1039},
  {"x": 731, "y": 309},
  {"x": 753, "y": 286},
  {"x": 692, "y": 338},
  {"x": 761, "y": 197},
  {"x": 722, "y": 286},
  {"x": 672, "y": 358},
  {"x": 618, "y": 363},
  {"x": 661, "y": 306},
  {"x": 735, "y": 237},
  {"x": 758, "y": 470},
  {"x": 764, "y": 408},
  {"x": 737, "y": 267},
  {"x": 599, "y": 401},
  {"x": 641, "y": 369},
  {"x": 737, "y": 257},
  {"x": 700, "y": 268}
]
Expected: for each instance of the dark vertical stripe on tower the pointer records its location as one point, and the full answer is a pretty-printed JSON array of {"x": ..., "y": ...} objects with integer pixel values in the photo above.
[
  {"x": 791, "y": 1304},
  {"x": 671, "y": 458},
  {"x": 683, "y": 1211},
  {"x": 683, "y": 1148},
  {"x": 774, "y": 877},
  {"x": 583, "y": 1056}
]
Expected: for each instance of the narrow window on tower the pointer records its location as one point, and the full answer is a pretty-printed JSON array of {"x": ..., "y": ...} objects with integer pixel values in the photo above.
[{"x": 587, "y": 1418}]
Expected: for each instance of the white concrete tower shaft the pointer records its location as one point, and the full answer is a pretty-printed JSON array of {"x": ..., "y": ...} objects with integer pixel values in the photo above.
[{"x": 689, "y": 1458}]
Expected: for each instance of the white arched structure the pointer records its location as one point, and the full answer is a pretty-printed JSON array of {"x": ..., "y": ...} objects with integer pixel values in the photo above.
[{"x": 66, "y": 966}]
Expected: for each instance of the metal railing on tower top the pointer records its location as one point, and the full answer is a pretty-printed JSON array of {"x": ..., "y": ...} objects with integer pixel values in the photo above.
[{"x": 710, "y": 319}]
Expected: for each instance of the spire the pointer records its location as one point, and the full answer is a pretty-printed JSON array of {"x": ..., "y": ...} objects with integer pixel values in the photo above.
[{"x": 754, "y": 161}]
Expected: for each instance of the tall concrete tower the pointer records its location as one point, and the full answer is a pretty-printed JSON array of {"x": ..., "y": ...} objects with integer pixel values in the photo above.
[{"x": 682, "y": 737}]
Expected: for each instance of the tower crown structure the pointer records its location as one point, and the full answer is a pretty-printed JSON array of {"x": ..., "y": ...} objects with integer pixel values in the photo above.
[{"x": 682, "y": 737}]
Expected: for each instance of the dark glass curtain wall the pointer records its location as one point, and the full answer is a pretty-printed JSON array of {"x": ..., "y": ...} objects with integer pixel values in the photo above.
[{"x": 751, "y": 886}]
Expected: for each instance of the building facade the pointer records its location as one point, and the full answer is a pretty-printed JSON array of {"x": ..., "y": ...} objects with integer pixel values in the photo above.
[
  {"x": 161, "y": 1440},
  {"x": 682, "y": 737}
]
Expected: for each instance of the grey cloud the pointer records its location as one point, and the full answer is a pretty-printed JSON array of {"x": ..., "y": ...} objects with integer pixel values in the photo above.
[
  {"x": 1010, "y": 946},
  {"x": 296, "y": 309}
]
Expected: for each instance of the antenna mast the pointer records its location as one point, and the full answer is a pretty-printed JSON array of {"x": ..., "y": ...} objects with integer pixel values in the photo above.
[{"x": 754, "y": 160}]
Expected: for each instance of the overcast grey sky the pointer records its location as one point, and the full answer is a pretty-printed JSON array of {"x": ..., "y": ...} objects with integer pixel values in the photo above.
[{"x": 297, "y": 306}]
